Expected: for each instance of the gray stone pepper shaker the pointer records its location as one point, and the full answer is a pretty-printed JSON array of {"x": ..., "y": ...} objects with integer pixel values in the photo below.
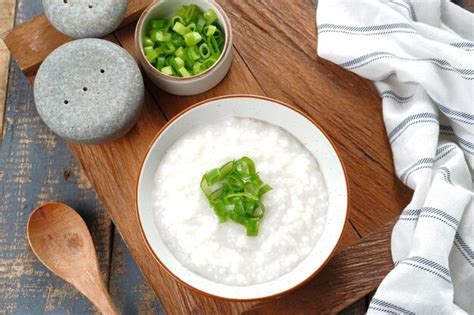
[{"x": 89, "y": 91}]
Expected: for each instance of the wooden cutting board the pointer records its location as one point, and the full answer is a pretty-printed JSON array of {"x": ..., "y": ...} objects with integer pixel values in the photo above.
[{"x": 275, "y": 55}]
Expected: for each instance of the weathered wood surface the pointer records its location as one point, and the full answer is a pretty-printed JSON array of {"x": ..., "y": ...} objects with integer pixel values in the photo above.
[
  {"x": 130, "y": 292},
  {"x": 7, "y": 15},
  {"x": 37, "y": 167},
  {"x": 284, "y": 66}
]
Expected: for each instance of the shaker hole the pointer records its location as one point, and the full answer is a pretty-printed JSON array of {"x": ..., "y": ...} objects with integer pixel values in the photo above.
[
  {"x": 65, "y": 1},
  {"x": 84, "y": 89},
  {"x": 90, "y": 6},
  {"x": 102, "y": 70},
  {"x": 66, "y": 102}
]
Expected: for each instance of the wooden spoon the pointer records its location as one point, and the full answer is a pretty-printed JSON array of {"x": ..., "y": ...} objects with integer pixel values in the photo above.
[{"x": 61, "y": 241}]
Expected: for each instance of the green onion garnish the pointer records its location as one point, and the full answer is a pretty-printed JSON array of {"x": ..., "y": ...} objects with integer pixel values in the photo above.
[
  {"x": 191, "y": 35},
  {"x": 234, "y": 191}
]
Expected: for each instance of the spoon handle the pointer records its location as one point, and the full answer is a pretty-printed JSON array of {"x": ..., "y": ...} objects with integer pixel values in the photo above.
[
  {"x": 104, "y": 303},
  {"x": 93, "y": 287}
]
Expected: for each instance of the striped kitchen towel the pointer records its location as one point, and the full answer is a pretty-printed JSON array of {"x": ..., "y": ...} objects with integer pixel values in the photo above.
[{"x": 420, "y": 55}]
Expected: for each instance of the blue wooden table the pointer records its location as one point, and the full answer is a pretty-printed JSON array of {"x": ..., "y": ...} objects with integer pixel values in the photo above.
[{"x": 37, "y": 167}]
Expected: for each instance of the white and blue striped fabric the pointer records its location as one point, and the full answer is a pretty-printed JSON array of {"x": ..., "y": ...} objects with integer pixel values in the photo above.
[{"x": 420, "y": 55}]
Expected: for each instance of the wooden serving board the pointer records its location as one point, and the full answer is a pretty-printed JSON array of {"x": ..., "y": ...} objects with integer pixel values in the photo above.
[{"x": 275, "y": 55}]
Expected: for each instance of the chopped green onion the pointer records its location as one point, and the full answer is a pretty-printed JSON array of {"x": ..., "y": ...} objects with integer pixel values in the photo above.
[
  {"x": 198, "y": 68},
  {"x": 182, "y": 12},
  {"x": 247, "y": 195},
  {"x": 235, "y": 190},
  {"x": 148, "y": 42},
  {"x": 208, "y": 63},
  {"x": 175, "y": 19},
  {"x": 162, "y": 36},
  {"x": 194, "y": 53},
  {"x": 181, "y": 29},
  {"x": 204, "y": 50},
  {"x": 177, "y": 40},
  {"x": 168, "y": 48},
  {"x": 179, "y": 62},
  {"x": 160, "y": 63},
  {"x": 180, "y": 53},
  {"x": 167, "y": 70},
  {"x": 214, "y": 58},
  {"x": 151, "y": 56},
  {"x": 161, "y": 50},
  {"x": 158, "y": 24},
  {"x": 210, "y": 16},
  {"x": 187, "y": 44},
  {"x": 192, "y": 38},
  {"x": 213, "y": 46},
  {"x": 184, "y": 72},
  {"x": 148, "y": 49},
  {"x": 200, "y": 24},
  {"x": 191, "y": 12},
  {"x": 210, "y": 30},
  {"x": 252, "y": 226},
  {"x": 264, "y": 189}
]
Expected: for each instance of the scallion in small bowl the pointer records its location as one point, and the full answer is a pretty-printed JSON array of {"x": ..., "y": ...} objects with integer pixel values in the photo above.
[{"x": 185, "y": 45}]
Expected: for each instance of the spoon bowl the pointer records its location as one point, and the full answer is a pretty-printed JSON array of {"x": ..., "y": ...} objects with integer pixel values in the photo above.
[{"x": 60, "y": 239}]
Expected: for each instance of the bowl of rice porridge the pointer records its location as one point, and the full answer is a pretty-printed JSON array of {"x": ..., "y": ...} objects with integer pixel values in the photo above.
[{"x": 242, "y": 198}]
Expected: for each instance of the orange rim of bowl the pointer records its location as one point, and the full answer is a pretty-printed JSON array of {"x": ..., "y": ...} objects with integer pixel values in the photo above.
[
  {"x": 179, "y": 280},
  {"x": 145, "y": 63}
]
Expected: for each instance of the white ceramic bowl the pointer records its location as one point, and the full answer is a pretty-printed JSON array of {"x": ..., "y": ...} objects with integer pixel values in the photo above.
[
  {"x": 273, "y": 112},
  {"x": 195, "y": 84}
]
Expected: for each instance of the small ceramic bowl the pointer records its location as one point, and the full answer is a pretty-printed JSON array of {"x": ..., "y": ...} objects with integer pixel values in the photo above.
[
  {"x": 279, "y": 114},
  {"x": 195, "y": 84}
]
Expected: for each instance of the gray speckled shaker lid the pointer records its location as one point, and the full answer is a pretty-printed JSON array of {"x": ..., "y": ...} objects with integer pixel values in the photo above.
[
  {"x": 89, "y": 91},
  {"x": 85, "y": 18}
]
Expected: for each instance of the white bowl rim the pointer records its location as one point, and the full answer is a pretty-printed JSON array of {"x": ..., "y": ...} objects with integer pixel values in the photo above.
[{"x": 263, "y": 297}]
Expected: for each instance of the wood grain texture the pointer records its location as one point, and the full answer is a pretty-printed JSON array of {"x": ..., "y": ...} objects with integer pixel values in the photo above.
[
  {"x": 349, "y": 276},
  {"x": 37, "y": 167},
  {"x": 7, "y": 15},
  {"x": 358, "y": 308},
  {"x": 285, "y": 67}
]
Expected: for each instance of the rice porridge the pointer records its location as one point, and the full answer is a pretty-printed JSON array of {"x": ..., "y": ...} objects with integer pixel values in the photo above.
[{"x": 222, "y": 252}]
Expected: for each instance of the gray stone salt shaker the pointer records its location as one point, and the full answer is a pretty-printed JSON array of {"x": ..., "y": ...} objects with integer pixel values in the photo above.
[
  {"x": 85, "y": 18},
  {"x": 89, "y": 91}
]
